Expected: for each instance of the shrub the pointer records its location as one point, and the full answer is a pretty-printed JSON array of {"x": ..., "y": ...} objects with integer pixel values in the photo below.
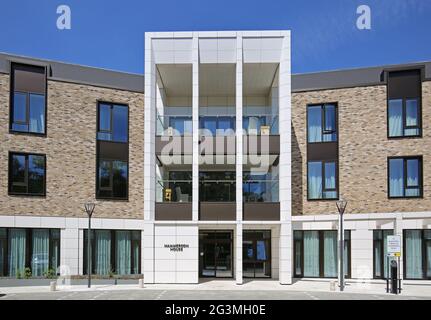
[{"x": 27, "y": 273}]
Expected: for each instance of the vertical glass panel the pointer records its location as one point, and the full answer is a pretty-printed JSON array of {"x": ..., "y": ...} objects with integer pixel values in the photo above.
[
  {"x": 55, "y": 250},
  {"x": 330, "y": 171},
  {"x": 119, "y": 171},
  {"x": 136, "y": 245},
  {"x": 378, "y": 254},
  {"x": 427, "y": 239},
  {"x": 413, "y": 252},
  {"x": 396, "y": 177},
  {"x": 412, "y": 178},
  {"x": 395, "y": 118},
  {"x": 105, "y": 174},
  {"x": 386, "y": 233},
  {"x": 18, "y": 174},
  {"x": 102, "y": 252},
  {"x": 3, "y": 248},
  {"x": 330, "y": 123},
  {"x": 210, "y": 124},
  {"x": 16, "y": 252},
  {"x": 37, "y": 113},
  {"x": 40, "y": 252},
  {"x": 19, "y": 107},
  {"x": 311, "y": 253},
  {"x": 224, "y": 123},
  {"x": 330, "y": 254},
  {"x": 315, "y": 180},
  {"x": 120, "y": 124},
  {"x": 105, "y": 117},
  {"x": 36, "y": 174},
  {"x": 298, "y": 257},
  {"x": 123, "y": 259},
  {"x": 315, "y": 124},
  {"x": 412, "y": 112}
]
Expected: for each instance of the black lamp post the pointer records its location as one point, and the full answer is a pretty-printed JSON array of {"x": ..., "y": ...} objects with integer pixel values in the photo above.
[
  {"x": 89, "y": 208},
  {"x": 341, "y": 206}
]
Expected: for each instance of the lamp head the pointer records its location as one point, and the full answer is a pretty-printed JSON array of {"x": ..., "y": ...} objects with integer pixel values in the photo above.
[{"x": 89, "y": 208}]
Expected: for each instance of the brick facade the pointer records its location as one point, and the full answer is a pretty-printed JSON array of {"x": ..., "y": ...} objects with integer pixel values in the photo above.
[
  {"x": 70, "y": 148},
  {"x": 363, "y": 151}
]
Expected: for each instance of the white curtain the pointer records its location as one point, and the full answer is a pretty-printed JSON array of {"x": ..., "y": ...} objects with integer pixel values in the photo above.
[
  {"x": 17, "y": 239},
  {"x": 396, "y": 118},
  {"x": 396, "y": 177},
  {"x": 40, "y": 252},
  {"x": 102, "y": 252},
  {"x": 330, "y": 254},
  {"x": 311, "y": 253},
  {"x": 414, "y": 254},
  {"x": 123, "y": 252},
  {"x": 37, "y": 113},
  {"x": 315, "y": 124},
  {"x": 428, "y": 251},
  {"x": 315, "y": 180},
  {"x": 412, "y": 177}
]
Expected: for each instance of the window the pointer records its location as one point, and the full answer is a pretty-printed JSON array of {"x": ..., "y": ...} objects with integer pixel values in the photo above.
[
  {"x": 112, "y": 179},
  {"x": 405, "y": 177},
  {"x": 380, "y": 267},
  {"x": 28, "y": 99},
  {"x": 216, "y": 125},
  {"x": 316, "y": 254},
  {"x": 27, "y": 174},
  {"x": 404, "y": 118},
  {"x": 113, "y": 252},
  {"x": 322, "y": 180},
  {"x": 417, "y": 254},
  {"x": 322, "y": 123},
  {"x": 113, "y": 122},
  {"x": 37, "y": 249},
  {"x": 217, "y": 186}
]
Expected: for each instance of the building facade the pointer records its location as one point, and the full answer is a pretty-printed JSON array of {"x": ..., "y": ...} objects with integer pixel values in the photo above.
[{"x": 217, "y": 163}]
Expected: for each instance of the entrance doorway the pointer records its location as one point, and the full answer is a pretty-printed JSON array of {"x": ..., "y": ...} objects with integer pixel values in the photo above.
[
  {"x": 256, "y": 249},
  {"x": 215, "y": 254}
]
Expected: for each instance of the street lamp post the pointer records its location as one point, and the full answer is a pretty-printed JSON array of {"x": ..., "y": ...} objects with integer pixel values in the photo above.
[
  {"x": 341, "y": 206},
  {"x": 89, "y": 208}
]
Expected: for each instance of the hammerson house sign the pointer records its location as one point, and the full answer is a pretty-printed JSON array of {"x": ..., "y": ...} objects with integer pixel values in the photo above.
[{"x": 176, "y": 247}]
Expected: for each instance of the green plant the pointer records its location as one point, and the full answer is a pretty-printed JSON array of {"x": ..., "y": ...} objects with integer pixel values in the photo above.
[
  {"x": 27, "y": 273},
  {"x": 18, "y": 274},
  {"x": 49, "y": 274},
  {"x": 111, "y": 273}
]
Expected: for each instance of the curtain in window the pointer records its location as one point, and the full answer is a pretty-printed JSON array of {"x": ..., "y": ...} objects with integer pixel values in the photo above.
[
  {"x": 37, "y": 113},
  {"x": 412, "y": 178},
  {"x": 330, "y": 124},
  {"x": 3, "y": 244},
  {"x": 412, "y": 117},
  {"x": 40, "y": 252},
  {"x": 413, "y": 254},
  {"x": 123, "y": 252},
  {"x": 315, "y": 180},
  {"x": 102, "y": 252},
  {"x": 396, "y": 173},
  {"x": 377, "y": 260},
  {"x": 386, "y": 233},
  {"x": 55, "y": 243},
  {"x": 311, "y": 253},
  {"x": 17, "y": 239},
  {"x": 135, "y": 259},
  {"x": 428, "y": 251},
  {"x": 395, "y": 118},
  {"x": 315, "y": 124},
  {"x": 330, "y": 254},
  {"x": 330, "y": 180}
]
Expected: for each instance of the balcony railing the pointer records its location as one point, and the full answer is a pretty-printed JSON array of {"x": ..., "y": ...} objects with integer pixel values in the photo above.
[
  {"x": 174, "y": 191},
  {"x": 260, "y": 191},
  {"x": 258, "y": 124},
  {"x": 174, "y": 125},
  {"x": 217, "y": 190}
]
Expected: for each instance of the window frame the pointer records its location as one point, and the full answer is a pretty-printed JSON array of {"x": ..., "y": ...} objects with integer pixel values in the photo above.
[
  {"x": 12, "y": 99},
  {"x": 10, "y": 182},
  {"x": 405, "y": 186},
  {"x": 111, "y": 120},
  {"x": 323, "y": 113},
  {"x": 337, "y": 187},
  {"x": 404, "y": 118},
  {"x": 424, "y": 255},
  {"x": 111, "y": 181}
]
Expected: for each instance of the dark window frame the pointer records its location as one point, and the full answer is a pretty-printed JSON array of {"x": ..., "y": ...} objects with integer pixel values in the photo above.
[
  {"x": 424, "y": 255},
  {"x": 12, "y": 92},
  {"x": 348, "y": 242},
  {"x": 405, "y": 186},
  {"x": 10, "y": 182},
  {"x": 112, "y": 104},
  {"x": 337, "y": 182},
  {"x": 323, "y": 112},
  {"x": 404, "y": 118},
  {"x": 111, "y": 179}
]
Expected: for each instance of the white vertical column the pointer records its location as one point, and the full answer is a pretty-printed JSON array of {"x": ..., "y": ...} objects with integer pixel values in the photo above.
[
  {"x": 239, "y": 159},
  {"x": 398, "y": 231},
  {"x": 149, "y": 162},
  {"x": 285, "y": 253},
  {"x": 195, "y": 121}
]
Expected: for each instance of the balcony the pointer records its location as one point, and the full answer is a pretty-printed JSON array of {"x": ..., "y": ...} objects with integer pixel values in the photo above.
[
  {"x": 173, "y": 200},
  {"x": 261, "y": 199},
  {"x": 174, "y": 135},
  {"x": 262, "y": 124}
]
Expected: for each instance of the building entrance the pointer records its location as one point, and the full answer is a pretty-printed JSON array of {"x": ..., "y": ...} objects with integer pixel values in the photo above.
[{"x": 215, "y": 254}]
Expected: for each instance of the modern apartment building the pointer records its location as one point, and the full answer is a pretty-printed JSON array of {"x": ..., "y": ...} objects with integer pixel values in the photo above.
[{"x": 217, "y": 163}]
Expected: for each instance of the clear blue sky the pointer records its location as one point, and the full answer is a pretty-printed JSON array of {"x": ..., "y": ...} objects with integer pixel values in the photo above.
[{"x": 109, "y": 34}]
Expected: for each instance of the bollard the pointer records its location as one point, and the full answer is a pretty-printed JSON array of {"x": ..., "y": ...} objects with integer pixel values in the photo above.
[
  {"x": 52, "y": 285},
  {"x": 141, "y": 283},
  {"x": 332, "y": 285}
]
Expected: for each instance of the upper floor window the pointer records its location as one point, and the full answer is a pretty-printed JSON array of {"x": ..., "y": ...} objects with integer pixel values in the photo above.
[
  {"x": 404, "y": 104},
  {"x": 322, "y": 123},
  {"x": 322, "y": 180},
  {"x": 112, "y": 179},
  {"x": 405, "y": 177},
  {"x": 113, "y": 122},
  {"x": 217, "y": 125},
  {"x": 28, "y": 99},
  {"x": 27, "y": 174}
]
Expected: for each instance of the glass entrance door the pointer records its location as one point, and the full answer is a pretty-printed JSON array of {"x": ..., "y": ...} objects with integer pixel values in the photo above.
[
  {"x": 257, "y": 254},
  {"x": 215, "y": 254}
]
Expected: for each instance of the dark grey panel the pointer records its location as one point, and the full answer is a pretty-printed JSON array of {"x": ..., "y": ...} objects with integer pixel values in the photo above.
[
  {"x": 322, "y": 151},
  {"x": 217, "y": 211},
  {"x": 173, "y": 211},
  {"x": 113, "y": 150},
  {"x": 404, "y": 84},
  {"x": 261, "y": 211}
]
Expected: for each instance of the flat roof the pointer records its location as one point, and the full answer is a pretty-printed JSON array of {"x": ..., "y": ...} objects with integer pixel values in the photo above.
[{"x": 337, "y": 79}]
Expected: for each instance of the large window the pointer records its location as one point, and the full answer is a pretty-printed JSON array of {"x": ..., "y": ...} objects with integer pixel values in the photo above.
[
  {"x": 27, "y": 173},
  {"x": 113, "y": 122},
  {"x": 217, "y": 186},
  {"x": 112, "y": 179},
  {"x": 322, "y": 180},
  {"x": 322, "y": 123},
  {"x": 216, "y": 125},
  {"x": 417, "y": 254},
  {"x": 28, "y": 99},
  {"x": 380, "y": 253},
  {"x": 405, "y": 177},
  {"x": 404, "y": 117},
  {"x": 36, "y": 249},
  {"x": 113, "y": 252},
  {"x": 316, "y": 254}
]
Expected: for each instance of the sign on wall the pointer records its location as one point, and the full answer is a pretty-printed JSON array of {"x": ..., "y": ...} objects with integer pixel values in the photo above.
[{"x": 394, "y": 246}]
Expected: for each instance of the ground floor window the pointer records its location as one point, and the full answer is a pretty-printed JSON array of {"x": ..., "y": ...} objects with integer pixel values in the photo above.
[
  {"x": 113, "y": 252},
  {"x": 417, "y": 254},
  {"x": 256, "y": 254},
  {"x": 316, "y": 254},
  {"x": 29, "y": 252},
  {"x": 380, "y": 253}
]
